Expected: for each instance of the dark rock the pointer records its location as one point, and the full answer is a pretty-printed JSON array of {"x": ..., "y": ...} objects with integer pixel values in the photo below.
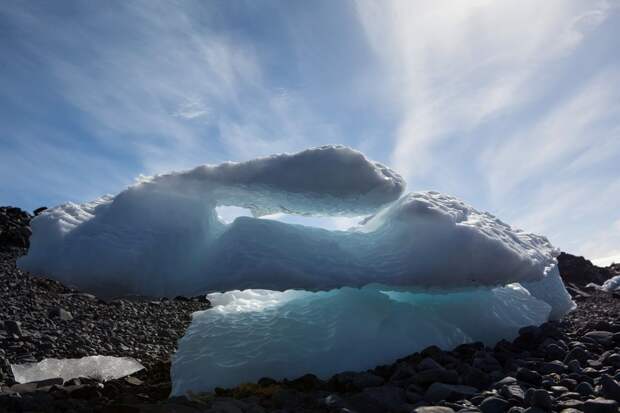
[
  {"x": 533, "y": 410},
  {"x": 225, "y": 406},
  {"x": 429, "y": 364},
  {"x": 570, "y": 384},
  {"x": 600, "y": 405},
  {"x": 579, "y": 354},
  {"x": 574, "y": 366},
  {"x": 512, "y": 392},
  {"x": 610, "y": 389},
  {"x": 612, "y": 359},
  {"x": 508, "y": 380},
  {"x": 436, "y": 375},
  {"x": 442, "y": 391},
  {"x": 554, "y": 352},
  {"x": 552, "y": 367},
  {"x": 13, "y": 327},
  {"x": 376, "y": 399},
  {"x": 603, "y": 337},
  {"x": 529, "y": 376},
  {"x": 306, "y": 382},
  {"x": 475, "y": 377},
  {"x": 60, "y": 313},
  {"x": 432, "y": 351},
  {"x": 580, "y": 271},
  {"x": 494, "y": 404},
  {"x": 86, "y": 391},
  {"x": 539, "y": 398},
  {"x": 529, "y": 337},
  {"x": 266, "y": 382},
  {"x": 14, "y": 228},
  {"x": 350, "y": 380}
]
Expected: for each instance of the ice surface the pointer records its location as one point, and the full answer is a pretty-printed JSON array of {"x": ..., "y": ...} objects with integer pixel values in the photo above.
[
  {"x": 163, "y": 237},
  {"x": 96, "y": 367},
  {"x": 258, "y": 333}
]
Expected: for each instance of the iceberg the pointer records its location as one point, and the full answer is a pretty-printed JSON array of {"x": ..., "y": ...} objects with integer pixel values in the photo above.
[
  {"x": 420, "y": 268},
  {"x": 101, "y": 368}
]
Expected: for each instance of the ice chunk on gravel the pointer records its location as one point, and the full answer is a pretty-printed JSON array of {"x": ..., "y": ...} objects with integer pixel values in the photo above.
[{"x": 101, "y": 368}]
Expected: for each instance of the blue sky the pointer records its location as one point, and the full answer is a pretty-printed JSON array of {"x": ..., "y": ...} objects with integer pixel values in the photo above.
[{"x": 513, "y": 106}]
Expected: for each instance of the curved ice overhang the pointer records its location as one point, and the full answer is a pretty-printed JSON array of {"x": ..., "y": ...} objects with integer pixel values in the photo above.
[{"x": 329, "y": 180}]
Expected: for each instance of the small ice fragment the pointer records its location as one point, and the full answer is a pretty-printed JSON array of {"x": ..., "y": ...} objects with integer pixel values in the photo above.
[
  {"x": 612, "y": 284},
  {"x": 101, "y": 368}
]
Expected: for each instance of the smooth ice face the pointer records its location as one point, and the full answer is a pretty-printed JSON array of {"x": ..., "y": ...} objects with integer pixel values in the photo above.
[
  {"x": 259, "y": 333},
  {"x": 101, "y": 368}
]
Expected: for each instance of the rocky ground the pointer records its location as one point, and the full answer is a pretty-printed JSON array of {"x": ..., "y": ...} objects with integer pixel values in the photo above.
[{"x": 568, "y": 366}]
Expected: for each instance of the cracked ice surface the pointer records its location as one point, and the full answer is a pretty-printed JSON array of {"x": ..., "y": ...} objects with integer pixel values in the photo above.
[{"x": 96, "y": 367}]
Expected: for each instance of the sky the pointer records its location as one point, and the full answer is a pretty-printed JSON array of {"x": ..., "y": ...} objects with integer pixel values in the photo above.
[{"x": 512, "y": 106}]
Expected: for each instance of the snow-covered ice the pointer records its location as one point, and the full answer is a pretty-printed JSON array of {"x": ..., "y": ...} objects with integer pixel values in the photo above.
[
  {"x": 163, "y": 237},
  {"x": 422, "y": 268},
  {"x": 258, "y": 333},
  {"x": 96, "y": 367}
]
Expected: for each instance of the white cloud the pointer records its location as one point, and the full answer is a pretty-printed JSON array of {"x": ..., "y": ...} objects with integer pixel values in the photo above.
[{"x": 606, "y": 261}]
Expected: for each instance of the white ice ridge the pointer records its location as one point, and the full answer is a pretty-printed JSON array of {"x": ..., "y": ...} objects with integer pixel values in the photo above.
[
  {"x": 258, "y": 333},
  {"x": 101, "y": 368}
]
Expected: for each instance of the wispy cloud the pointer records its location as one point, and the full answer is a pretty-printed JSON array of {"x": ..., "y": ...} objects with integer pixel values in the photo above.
[
  {"x": 453, "y": 65},
  {"x": 568, "y": 137}
]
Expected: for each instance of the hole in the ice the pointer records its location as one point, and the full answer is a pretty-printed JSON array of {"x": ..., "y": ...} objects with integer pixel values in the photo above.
[{"x": 229, "y": 213}]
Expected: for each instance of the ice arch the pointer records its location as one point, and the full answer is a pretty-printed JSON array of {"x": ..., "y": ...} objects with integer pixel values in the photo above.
[
  {"x": 163, "y": 237},
  {"x": 423, "y": 268}
]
